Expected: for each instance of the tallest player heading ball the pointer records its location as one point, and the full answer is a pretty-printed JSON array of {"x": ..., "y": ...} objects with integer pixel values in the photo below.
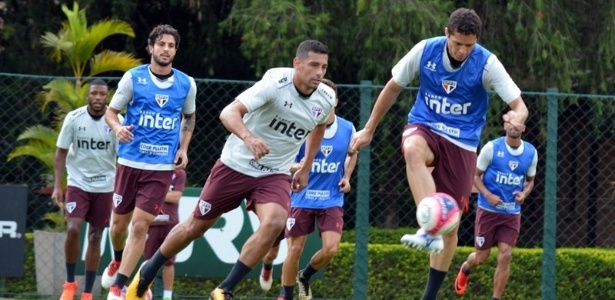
[{"x": 438, "y": 213}]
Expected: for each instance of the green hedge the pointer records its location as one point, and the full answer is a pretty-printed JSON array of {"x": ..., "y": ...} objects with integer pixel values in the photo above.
[{"x": 400, "y": 273}]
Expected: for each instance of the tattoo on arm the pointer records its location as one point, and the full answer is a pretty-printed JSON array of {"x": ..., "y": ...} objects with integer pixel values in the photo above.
[{"x": 188, "y": 123}]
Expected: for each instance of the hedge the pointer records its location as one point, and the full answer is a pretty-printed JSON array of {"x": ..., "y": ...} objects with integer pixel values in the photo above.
[{"x": 400, "y": 273}]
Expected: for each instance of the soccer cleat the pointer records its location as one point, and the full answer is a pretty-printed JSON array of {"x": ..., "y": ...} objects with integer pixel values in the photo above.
[
  {"x": 461, "y": 282},
  {"x": 220, "y": 294},
  {"x": 109, "y": 274},
  {"x": 68, "y": 290},
  {"x": 423, "y": 241},
  {"x": 86, "y": 296},
  {"x": 266, "y": 279},
  {"x": 115, "y": 293},
  {"x": 139, "y": 288},
  {"x": 305, "y": 292}
]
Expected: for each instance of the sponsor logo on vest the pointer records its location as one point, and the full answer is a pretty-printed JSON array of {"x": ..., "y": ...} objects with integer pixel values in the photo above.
[
  {"x": 441, "y": 105},
  {"x": 508, "y": 179},
  {"x": 149, "y": 119},
  {"x": 322, "y": 166}
]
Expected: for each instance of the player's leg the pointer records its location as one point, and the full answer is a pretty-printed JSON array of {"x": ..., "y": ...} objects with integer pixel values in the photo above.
[
  {"x": 168, "y": 277},
  {"x": 76, "y": 207},
  {"x": 266, "y": 277},
  {"x": 330, "y": 224},
  {"x": 507, "y": 236},
  {"x": 454, "y": 175},
  {"x": 122, "y": 204},
  {"x": 98, "y": 217},
  {"x": 290, "y": 267},
  {"x": 502, "y": 270},
  {"x": 418, "y": 156},
  {"x": 300, "y": 224}
]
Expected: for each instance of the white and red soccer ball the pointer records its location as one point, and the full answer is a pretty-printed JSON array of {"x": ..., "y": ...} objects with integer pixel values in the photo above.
[{"x": 438, "y": 213}]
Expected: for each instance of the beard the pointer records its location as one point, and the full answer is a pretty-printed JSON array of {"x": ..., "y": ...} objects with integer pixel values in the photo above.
[{"x": 160, "y": 62}]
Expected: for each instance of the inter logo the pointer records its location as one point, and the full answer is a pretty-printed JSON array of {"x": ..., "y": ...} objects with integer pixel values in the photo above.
[{"x": 162, "y": 99}]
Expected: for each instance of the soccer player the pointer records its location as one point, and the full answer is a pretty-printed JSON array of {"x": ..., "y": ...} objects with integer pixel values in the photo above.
[
  {"x": 504, "y": 178},
  {"x": 445, "y": 122},
  {"x": 268, "y": 123},
  {"x": 166, "y": 219},
  {"x": 154, "y": 139},
  {"x": 86, "y": 150}
]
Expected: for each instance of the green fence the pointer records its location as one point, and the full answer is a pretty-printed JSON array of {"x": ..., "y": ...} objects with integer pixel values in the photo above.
[{"x": 571, "y": 205}]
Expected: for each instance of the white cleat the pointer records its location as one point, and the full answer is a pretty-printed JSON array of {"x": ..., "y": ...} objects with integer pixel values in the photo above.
[
  {"x": 423, "y": 241},
  {"x": 109, "y": 274},
  {"x": 265, "y": 279}
]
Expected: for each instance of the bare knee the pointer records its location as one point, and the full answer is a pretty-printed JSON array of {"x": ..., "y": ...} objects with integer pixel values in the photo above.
[
  {"x": 94, "y": 237},
  {"x": 273, "y": 226},
  {"x": 139, "y": 229},
  {"x": 504, "y": 257},
  {"x": 329, "y": 251},
  {"x": 481, "y": 257}
]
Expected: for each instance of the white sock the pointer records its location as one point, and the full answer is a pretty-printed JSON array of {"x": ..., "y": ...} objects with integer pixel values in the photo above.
[{"x": 167, "y": 294}]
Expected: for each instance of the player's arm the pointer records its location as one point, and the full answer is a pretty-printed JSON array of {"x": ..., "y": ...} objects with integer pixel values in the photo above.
[
  {"x": 187, "y": 127},
  {"x": 232, "y": 119},
  {"x": 349, "y": 165},
  {"x": 173, "y": 197},
  {"x": 483, "y": 161},
  {"x": 528, "y": 185},
  {"x": 497, "y": 78},
  {"x": 59, "y": 166},
  {"x": 120, "y": 99}
]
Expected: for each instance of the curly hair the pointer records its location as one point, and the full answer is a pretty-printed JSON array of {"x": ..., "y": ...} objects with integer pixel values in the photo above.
[
  {"x": 464, "y": 21},
  {"x": 159, "y": 30}
]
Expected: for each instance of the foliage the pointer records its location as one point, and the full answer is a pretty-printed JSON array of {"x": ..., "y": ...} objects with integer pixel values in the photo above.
[
  {"x": 271, "y": 30},
  {"x": 75, "y": 44},
  {"x": 395, "y": 270}
]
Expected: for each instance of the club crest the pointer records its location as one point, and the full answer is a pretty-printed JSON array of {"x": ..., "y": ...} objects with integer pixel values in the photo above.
[
  {"x": 162, "y": 99},
  {"x": 204, "y": 207},
  {"x": 326, "y": 150},
  {"x": 316, "y": 111},
  {"x": 480, "y": 241},
  {"x": 117, "y": 199},
  {"x": 70, "y": 206},
  {"x": 290, "y": 222},
  {"x": 513, "y": 165},
  {"x": 449, "y": 85}
]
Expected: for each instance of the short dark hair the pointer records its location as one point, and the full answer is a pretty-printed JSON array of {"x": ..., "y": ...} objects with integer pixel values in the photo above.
[
  {"x": 330, "y": 84},
  {"x": 97, "y": 82},
  {"x": 464, "y": 21},
  {"x": 311, "y": 46},
  {"x": 159, "y": 30}
]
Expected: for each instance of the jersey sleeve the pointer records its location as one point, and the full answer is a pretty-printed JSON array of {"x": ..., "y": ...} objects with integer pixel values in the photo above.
[
  {"x": 65, "y": 138},
  {"x": 408, "y": 67},
  {"x": 190, "y": 103},
  {"x": 496, "y": 78},
  {"x": 484, "y": 157},
  {"x": 123, "y": 94},
  {"x": 258, "y": 94},
  {"x": 531, "y": 171}
]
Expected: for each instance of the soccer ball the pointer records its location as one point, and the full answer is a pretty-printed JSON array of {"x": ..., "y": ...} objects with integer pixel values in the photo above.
[{"x": 438, "y": 213}]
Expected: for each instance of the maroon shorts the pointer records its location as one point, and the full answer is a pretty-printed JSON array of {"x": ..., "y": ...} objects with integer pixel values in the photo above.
[
  {"x": 144, "y": 189},
  {"x": 94, "y": 208},
  {"x": 302, "y": 221},
  {"x": 454, "y": 167},
  {"x": 226, "y": 188},
  {"x": 491, "y": 227},
  {"x": 155, "y": 236}
]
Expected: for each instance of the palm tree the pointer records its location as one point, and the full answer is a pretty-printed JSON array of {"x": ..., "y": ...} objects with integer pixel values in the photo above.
[{"x": 74, "y": 44}]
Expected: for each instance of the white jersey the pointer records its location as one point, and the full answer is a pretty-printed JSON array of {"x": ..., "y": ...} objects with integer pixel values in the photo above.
[
  {"x": 281, "y": 117},
  {"x": 91, "y": 144}
]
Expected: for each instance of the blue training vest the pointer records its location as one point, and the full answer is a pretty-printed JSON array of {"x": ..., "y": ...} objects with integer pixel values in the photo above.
[
  {"x": 455, "y": 103},
  {"x": 505, "y": 175},
  {"x": 156, "y": 115},
  {"x": 328, "y": 169}
]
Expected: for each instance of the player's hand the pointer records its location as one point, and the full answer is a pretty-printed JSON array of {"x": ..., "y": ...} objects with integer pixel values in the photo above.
[
  {"x": 361, "y": 139},
  {"x": 257, "y": 146},
  {"x": 296, "y": 166},
  {"x": 124, "y": 133},
  {"x": 58, "y": 197},
  {"x": 512, "y": 118},
  {"x": 519, "y": 197},
  {"x": 494, "y": 200},
  {"x": 181, "y": 159},
  {"x": 300, "y": 179},
  {"x": 344, "y": 185}
]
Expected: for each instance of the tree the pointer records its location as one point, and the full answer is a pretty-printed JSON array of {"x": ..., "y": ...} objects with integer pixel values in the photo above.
[{"x": 75, "y": 44}]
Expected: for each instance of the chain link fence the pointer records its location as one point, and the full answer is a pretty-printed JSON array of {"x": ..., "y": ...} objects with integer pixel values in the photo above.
[{"x": 584, "y": 178}]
